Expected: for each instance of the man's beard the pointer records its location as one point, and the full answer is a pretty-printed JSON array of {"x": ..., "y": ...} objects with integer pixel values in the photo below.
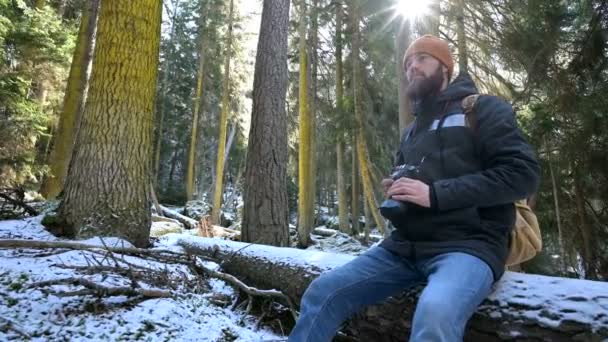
[{"x": 426, "y": 86}]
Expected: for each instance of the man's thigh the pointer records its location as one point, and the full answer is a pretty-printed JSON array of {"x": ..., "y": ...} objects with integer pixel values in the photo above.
[
  {"x": 370, "y": 277},
  {"x": 459, "y": 282}
]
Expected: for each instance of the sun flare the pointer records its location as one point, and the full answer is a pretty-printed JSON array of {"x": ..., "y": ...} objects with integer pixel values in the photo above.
[{"x": 412, "y": 9}]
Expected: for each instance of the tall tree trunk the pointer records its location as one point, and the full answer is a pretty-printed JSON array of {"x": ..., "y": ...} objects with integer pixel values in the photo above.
[
  {"x": 226, "y": 152},
  {"x": 587, "y": 234},
  {"x": 402, "y": 41},
  {"x": 265, "y": 212},
  {"x": 108, "y": 185},
  {"x": 355, "y": 206},
  {"x": 173, "y": 165},
  {"x": 341, "y": 189},
  {"x": 231, "y": 135},
  {"x": 161, "y": 108},
  {"x": 197, "y": 102},
  {"x": 432, "y": 20},
  {"x": 362, "y": 155},
  {"x": 560, "y": 239},
  {"x": 462, "y": 39},
  {"x": 39, "y": 86},
  {"x": 368, "y": 222},
  {"x": 304, "y": 173},
  {"x": 341, "y": 182},
  {"x": 73, "y": 101},
  {"x": 221, "y": 142},
  {"x": 61, "y": 8},
  {"x": 312, "y": 96}
]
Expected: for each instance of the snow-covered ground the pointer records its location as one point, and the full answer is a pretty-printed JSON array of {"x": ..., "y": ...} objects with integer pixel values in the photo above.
[
  {"x": 203, "y": 312},
  {"x": 44, "y": 315}
]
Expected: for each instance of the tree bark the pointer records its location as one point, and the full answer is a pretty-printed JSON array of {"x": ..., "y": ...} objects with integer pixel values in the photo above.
[
  {"x": 362, "y": 155},
  {"x": 73, "y": 102},
  {"x": 304, "y": 171},
  {"x": 462, "y": 39},
  {"x": 107, "y": 189},
  {"x": 523, "y": 307},
  {"x": 340, "y": 155},
  {"x": 402, "y": 41},
  {"x": 312, "y": 96},
  {"x": 558, "y": 221},
  {"x": 197, "y": 102},
  {"x": 586, "y": 230},
  {"x": 265, "y": 211},
  {"x": 161, "y": 106},
  {"x": 355, "y": 203},
  {"x": 221, "y": 141}
]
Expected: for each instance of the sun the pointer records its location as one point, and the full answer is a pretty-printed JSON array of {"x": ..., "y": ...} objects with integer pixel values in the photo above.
[{"x": 412, "y": 9}]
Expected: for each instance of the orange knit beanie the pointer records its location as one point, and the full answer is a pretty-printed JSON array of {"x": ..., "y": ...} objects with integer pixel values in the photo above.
[{"x": 433, "y": 46}]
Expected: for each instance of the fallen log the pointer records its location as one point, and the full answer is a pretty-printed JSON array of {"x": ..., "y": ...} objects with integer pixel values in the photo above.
[
  {"x": 324, "y": 231},
  {"x": 12, "y": 203},
  {"x": 188, "y": 222},
  {"x": 157, "y": 218},
  {"x": 523, "y": 307}
]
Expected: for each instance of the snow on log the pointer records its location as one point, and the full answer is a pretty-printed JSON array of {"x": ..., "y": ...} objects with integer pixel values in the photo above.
[
  {"x": 324, "y": 231},
  {"x": 522, "y": 307}
]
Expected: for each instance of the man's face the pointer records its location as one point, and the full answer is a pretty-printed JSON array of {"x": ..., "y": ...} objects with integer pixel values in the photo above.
[{"x": 425, "y": 75}]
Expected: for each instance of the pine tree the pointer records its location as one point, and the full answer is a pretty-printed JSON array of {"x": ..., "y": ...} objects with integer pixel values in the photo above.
[
  {"x": 362, "y": 154},
  {"x": 73, "y": 102},
  {"x": 107, "y": 188},
  {"x": 198, "y": 97},
  {"x": 221, "y": 143},
  {"x": 340, "y": 154},
  {"x": 305, "y": 218},
  {"x": 265, "y": 212}
]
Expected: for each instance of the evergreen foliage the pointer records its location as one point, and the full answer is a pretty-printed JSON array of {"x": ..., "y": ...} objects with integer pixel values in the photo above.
[{"x": 35, "y": 50}]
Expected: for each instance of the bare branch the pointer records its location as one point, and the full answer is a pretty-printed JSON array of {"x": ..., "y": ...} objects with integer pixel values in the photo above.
[
  {"x": 6, "y": 325},
  {"x": 251, "y": 291},
  {"x": 101, "y": 290}
]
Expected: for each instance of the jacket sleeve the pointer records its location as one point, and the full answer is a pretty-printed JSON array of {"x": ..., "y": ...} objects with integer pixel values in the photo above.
[{"x": 510, "y": 169}]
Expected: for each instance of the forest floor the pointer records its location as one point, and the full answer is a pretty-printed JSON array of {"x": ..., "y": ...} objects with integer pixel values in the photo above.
[
  {"x": 44, "y": 294},
  {"x": 29, "y": 310},
  {"x": 33, "y": 309}
]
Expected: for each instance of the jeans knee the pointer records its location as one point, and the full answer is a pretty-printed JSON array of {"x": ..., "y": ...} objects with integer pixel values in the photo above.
[
  {"x": 436, "y": 312},
  {"x": 319, "y": 290}
]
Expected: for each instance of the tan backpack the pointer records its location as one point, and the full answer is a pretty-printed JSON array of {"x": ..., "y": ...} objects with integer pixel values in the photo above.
[{"x": 526, "y": 239}]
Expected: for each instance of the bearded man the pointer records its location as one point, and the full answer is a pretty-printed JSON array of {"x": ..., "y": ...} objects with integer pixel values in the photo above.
[{"x": 456, "y": 209}]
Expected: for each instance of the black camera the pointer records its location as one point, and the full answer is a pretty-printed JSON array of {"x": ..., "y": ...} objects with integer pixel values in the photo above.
[{"x": 390, "y": 208}]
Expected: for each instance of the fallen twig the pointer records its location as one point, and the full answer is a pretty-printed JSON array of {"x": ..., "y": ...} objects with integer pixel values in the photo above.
[
  {"x": 6, "y": 325},
  {"x": 18, "y": 200},
  {"x": 158, "y": 254},
  {"x": 251, "y": 291},
  {"x": 100, "y": 290}
]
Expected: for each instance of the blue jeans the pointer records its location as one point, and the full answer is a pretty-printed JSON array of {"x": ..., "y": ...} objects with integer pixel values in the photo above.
[{"x": 457, "y": 284}]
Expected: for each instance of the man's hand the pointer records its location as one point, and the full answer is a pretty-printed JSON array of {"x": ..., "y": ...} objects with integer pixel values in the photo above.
[
  {"x": 409, "y": 190},
  {"x": 386, "y": 184}
]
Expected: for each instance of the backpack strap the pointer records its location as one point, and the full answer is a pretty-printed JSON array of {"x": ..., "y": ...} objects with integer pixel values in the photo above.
[
  {"x": 468, "y": 107},
  {"x": 407, "y": 131}
]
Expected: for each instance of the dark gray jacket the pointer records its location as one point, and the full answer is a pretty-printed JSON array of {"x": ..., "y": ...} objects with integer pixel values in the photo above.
[{"x": 475, "y": 174}]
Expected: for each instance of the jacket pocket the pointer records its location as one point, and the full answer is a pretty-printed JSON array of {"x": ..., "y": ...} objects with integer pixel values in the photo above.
[{"x": 458, "y": 224}]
